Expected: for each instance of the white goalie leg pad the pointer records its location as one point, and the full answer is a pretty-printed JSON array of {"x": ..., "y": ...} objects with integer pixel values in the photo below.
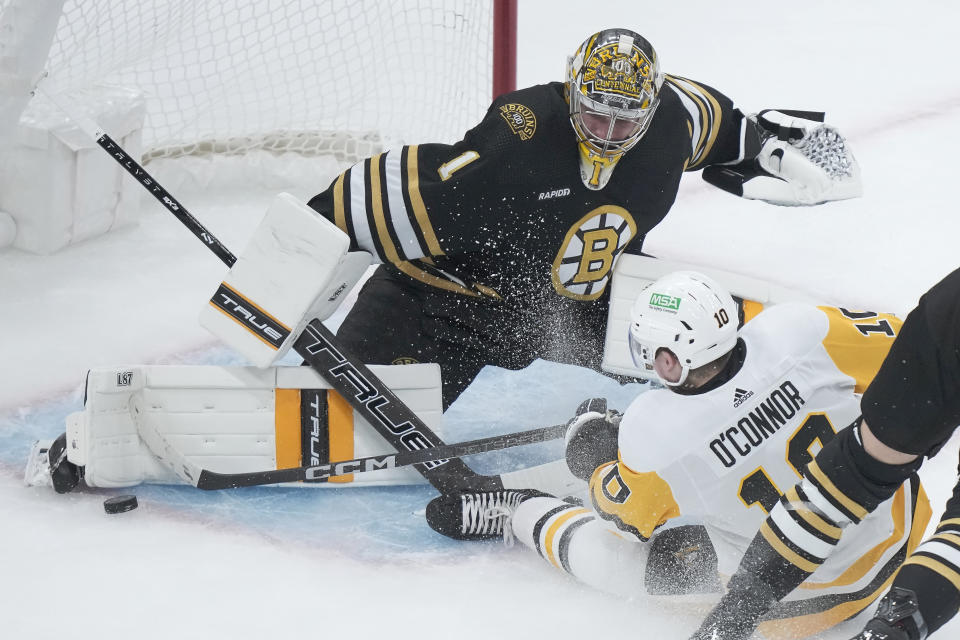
[
  {"x": 632, "y": 273},
  {"x": 162, "y": 424},
  {"x": 104, "y": 438},
  {"x": 296, "y": 268}
]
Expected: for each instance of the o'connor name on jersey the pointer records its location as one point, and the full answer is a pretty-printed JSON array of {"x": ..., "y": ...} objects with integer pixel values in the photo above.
[{"x": 764, "y": 420}]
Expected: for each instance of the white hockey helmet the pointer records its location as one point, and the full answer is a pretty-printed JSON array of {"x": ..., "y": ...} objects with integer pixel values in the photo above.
[
  {"x": 686, "y": 312},
  {"x": 614, "y": 82}
]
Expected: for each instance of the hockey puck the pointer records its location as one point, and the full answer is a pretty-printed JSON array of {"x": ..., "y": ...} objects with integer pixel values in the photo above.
[{"x": 120, "y": 504}]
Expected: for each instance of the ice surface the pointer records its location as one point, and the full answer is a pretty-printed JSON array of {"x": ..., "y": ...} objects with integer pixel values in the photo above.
[{"x": 279, "y": 562}]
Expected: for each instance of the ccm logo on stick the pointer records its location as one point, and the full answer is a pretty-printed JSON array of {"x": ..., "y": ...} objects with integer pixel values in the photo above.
[{"x": 322, "y": 471}]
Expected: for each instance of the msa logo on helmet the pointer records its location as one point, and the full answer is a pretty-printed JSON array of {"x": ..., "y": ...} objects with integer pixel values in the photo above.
[
  {"x": 663, "y": 301},
  {"x": 582, "y": 267}
]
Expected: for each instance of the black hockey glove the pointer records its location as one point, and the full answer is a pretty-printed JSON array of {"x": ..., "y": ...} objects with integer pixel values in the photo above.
[{"x": 592, "y": 437}]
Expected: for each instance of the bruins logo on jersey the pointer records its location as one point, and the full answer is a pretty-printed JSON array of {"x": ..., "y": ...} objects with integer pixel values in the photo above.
[
  {"x": 520, "y": 119},
  {"x": 582, "y": 267}
]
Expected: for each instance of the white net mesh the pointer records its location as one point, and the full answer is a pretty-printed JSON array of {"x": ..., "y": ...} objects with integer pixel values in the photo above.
[{"x": 283, "y": 75}]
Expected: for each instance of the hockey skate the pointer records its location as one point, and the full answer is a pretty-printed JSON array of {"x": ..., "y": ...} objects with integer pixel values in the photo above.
[
  {"x": 476, "y": 516},
  {"x": 898, "y": 618},
  {"x": 47, "y": 465},
  {"x": 37, "y": 472}
]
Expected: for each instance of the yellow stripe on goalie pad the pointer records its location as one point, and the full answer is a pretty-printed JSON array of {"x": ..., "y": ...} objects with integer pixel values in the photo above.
[{"x": 287, "y": 425}]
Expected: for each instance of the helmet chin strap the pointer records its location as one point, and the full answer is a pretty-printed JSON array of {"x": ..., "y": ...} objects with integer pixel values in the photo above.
[{"x": 679, "y": 383}]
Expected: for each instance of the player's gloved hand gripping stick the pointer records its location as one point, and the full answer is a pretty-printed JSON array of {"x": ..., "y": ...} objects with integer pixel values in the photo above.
[{"x": 349, "y": 377}]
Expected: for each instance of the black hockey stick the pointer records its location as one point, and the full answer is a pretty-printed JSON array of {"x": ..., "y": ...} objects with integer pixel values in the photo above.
[
  {"x": 207, "y": 479},
  {"x": 350, "y": 377}
]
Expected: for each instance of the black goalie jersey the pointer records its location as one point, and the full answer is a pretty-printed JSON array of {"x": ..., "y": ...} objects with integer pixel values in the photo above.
[
  {"x": 494, "y": 251},
  {"x": 503, "y": 213}
]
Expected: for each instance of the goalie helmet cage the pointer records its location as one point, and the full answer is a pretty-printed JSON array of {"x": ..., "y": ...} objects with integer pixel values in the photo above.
[{"x": 313, "y": 77}]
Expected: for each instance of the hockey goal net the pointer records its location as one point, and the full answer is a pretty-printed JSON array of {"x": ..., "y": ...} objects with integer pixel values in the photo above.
[
  {"x": 226, "y": 94},
  {"x": 302, "y": 76}
]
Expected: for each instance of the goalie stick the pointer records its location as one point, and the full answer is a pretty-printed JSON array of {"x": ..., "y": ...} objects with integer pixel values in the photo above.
[
  {"x": 317, "y": 345},
  {"x": 211, "y": 480}
]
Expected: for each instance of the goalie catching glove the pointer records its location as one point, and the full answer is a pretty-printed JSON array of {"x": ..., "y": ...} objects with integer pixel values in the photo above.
[
  {"x": 592, "y": 437},
  {"x": 800, "y": 161}
]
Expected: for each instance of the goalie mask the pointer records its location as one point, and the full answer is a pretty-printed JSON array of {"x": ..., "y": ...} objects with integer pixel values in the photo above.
[
  {"x": 613, "y": 84},
  {"x": 687, "y": 313}
]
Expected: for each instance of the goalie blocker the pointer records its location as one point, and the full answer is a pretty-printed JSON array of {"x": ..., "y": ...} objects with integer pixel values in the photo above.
[
  {"x": 295, "y": 268},
  {"x": 233, "y": 420}
]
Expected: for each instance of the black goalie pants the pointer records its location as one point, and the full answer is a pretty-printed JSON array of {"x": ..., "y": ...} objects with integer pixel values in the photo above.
[{"x": 396, "y": 322}]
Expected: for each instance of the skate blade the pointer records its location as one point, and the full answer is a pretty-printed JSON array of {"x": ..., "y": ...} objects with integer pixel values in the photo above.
[{"x": 37, "y": 472}]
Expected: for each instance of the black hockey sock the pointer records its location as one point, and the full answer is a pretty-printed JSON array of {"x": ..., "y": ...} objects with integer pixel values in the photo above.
[
  {"x": 931, "y": 571},
  {"x": 937, "y": 597}
]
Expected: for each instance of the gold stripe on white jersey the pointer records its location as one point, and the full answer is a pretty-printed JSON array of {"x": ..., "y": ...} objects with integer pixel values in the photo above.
[
  {"x": 812, "y": 518},
  {"x": 552, "y": 534}
]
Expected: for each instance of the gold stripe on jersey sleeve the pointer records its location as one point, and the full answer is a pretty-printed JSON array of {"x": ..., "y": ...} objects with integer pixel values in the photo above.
[
  {"x": 951, "y": 521},
  {"x": 339, "y": 211},
  {"x": 949, "y": 537},
  {"x": 416, "y": 199},
  {"x": 788, "y": 554},
  {"x": 802, "y": 626},
  {"x": 390, "y": 249},
  {"x": 858, "y": 352},
  {"x": 709, "y": 119},
  {"x": 704, "y": 120},
  {"x": 858, "y": 511},
  {"x": 936, "y": 566},
  {"x": 813, "y": 519},
  {"x": 376, "y": 195},
  {"x": 714, "y": 125},
  {"x": 432, "y": 280},
  {"x": 554, "y": 529},
  {"x": 868, "y": 561}
]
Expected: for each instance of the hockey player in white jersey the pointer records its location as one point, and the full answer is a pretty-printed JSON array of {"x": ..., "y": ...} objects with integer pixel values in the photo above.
[{"x": 680, "y": 483}]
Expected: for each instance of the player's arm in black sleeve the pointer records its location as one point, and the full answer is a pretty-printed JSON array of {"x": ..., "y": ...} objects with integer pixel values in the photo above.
[
  {"x": 719, "y": 132},
  {"x": 399, "y": 205}
]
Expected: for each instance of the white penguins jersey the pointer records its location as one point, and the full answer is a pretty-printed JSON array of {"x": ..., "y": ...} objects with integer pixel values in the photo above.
[{"x": 724, "y": 456}]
